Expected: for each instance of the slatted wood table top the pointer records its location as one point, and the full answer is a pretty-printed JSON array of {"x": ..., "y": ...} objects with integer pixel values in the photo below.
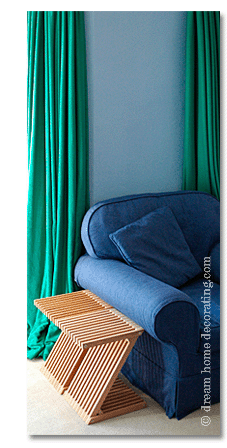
[
  {"x": 86, "y": 318},
  {"x": 84, "y": 363}
]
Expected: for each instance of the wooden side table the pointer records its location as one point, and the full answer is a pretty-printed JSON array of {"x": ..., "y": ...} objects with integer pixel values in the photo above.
[{"x": 85, "y": 361}]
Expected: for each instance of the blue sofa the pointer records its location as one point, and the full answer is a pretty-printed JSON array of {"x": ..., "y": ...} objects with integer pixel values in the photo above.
[{"x": 180, "y": 347}]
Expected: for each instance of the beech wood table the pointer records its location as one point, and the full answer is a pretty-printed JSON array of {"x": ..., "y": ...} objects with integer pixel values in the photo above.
[{"x": 85, "y": 361}]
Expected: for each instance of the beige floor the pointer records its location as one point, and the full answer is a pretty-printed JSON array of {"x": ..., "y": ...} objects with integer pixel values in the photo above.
[{"x": 49, "y": 414}]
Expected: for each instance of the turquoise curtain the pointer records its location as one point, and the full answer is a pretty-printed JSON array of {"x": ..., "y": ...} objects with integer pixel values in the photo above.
[
  {"x": 201, "y": 164},
  {"x": 57, "y": 130}
]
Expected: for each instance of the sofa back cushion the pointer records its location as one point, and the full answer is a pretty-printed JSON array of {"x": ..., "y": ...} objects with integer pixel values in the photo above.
[{"x": 198, "y": 215}]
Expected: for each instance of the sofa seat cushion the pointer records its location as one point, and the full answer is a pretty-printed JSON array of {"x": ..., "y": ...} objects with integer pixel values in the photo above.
[
  {"x": 155, "y": 245},
  {"x": 209, "y": 314}
]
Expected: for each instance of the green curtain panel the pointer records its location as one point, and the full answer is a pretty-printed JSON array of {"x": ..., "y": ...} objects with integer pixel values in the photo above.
[
  {"x": 58, "y": 194},
  {"x": 201, "y": 165}
]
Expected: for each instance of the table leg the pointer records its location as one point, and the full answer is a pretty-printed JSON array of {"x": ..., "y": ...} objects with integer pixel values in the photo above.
[
  {"x": 95, "y": 391},
  {"x": 63, "y": 362}
]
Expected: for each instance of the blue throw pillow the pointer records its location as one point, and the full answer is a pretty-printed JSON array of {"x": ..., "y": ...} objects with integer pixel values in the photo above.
[{"x": 156, "y": 246}]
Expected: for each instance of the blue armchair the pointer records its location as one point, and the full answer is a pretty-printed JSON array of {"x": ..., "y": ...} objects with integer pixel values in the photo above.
[{"x": 166, "y": 291}]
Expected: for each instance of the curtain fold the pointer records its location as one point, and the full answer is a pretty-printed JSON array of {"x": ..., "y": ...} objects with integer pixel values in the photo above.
[
  {"x": 201, "y": 163},
  {"x": 58, "y": 193}
]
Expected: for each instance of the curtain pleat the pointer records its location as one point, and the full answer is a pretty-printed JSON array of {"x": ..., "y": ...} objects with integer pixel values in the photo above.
[
  {"x": 58, "y": 195},
  {"x": 201, "y": 164}
]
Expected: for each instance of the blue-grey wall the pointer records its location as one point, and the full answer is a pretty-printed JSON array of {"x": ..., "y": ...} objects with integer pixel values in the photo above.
[{"x": 136, "y": 81}]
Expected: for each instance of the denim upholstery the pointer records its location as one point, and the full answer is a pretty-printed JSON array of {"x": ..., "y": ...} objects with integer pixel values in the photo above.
[
  {"x": 198, "y": 215},
  {"x": 167, "y": 360},
  {"x": 155, "y": 245},
  {"x": 215, "y": 262}
]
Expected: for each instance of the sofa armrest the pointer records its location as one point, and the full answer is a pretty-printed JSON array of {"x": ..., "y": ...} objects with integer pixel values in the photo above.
[{"x": 166, "y": 313}]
